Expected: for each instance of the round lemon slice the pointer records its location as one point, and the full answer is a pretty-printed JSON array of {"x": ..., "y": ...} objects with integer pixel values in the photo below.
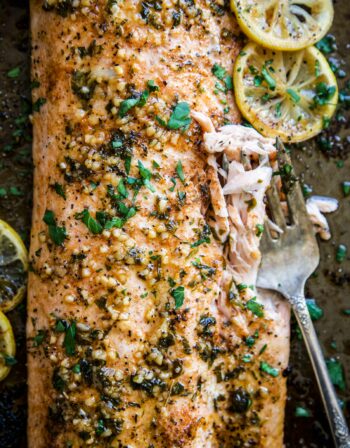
[
  {"x": 284, "y": 24},
  {"x": 7, "y": 346},
  {"x": 13, "y": 267},
  {"x": 291, "y": 95}
]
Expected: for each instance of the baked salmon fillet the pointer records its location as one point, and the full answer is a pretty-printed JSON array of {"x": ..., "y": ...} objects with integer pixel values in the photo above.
[{"x": 144, "y": 325}]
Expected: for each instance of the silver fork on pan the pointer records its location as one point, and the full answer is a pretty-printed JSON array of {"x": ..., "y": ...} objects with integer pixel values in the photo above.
[{"x": 287, "y": 262}]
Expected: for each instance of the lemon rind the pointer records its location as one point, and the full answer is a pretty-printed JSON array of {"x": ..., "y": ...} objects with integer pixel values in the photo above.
[{"x": 280, "y": 44}]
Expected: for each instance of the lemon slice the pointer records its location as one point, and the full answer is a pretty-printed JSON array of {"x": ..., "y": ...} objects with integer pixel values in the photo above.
[
  {"x": 7, "y": 346},
  {"x": 284, "y": 24},
  {"x": 13, "y": 267},
  {"x": 291, "y": 95}
]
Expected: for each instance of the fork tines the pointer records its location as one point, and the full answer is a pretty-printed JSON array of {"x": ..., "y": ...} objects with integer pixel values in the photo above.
[{"x": 297, "y": 212}]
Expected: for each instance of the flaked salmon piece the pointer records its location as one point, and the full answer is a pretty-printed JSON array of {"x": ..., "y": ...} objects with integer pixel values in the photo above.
[
  {"x": 238, "y": 201},
  {"x": 316, "y": 207},
  {"x": 238, "y": 212},
  {"x": 138, "y": 333}
]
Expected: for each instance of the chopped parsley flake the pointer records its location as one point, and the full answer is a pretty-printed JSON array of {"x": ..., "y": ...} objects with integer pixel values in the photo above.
[
  {"x": 241, "y": 287},
  {"x": 39, "y": 338},
  {"x": 14, "y": 72},
  {"x": 218, "y": 71},
  {"x": 278, "y": 110},
  {"x": 315, "y": 311},
  {"x": 256, "y": 308},
  {"x": 346, "y": 188},
  {"x": 138, "y": 99},
  {"x": 204, "y": 237},
  {"x": 180, "y": 172},
  {"x": 57, "y": 234},
  {"x": 336, "y": 373},
  {"x": 294, "y": 96},
  {"x": 152, "y": 87},
  {"x": 324, "y": 93},
  {"x": 128, "y": 104},
  {"x": 222, "y": 75},
  {"x": 69, "y": 339},
  {"x": 92, "y": 224},
  {"x": 341, "y": 253},
  {"x": 259, "y": 229},
  {"x": 10, "y": 360},
  {"x": 180, "y": 117},
  {"x": 146, "y": 176},
  {"x": 327, "y": 44},
  {"x": 266, "y": 368},
  {"x": 268, "y": 78},
  {"x": 59, "y": 190},
  {"x": 302, "y": 412},
  {"x": 179, "y": 296}
]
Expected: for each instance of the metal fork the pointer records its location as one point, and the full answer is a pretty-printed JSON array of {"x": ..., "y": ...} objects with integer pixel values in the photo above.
[{"x": 287, "y": 262}]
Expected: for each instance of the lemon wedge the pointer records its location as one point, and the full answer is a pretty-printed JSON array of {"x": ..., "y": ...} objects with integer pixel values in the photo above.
[
  {"x": 7, "y": 346},
  {"x": 291, "y": 95},
  {"x": 284, "y": 24},
  {"x": 13, "y": 267}
]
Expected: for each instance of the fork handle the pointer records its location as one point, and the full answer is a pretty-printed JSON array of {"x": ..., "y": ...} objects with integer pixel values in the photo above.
[{"x": 339, "y": 428}]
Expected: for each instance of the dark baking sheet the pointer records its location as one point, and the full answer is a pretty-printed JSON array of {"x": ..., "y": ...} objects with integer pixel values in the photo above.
[{"x": 324, "y": 165}]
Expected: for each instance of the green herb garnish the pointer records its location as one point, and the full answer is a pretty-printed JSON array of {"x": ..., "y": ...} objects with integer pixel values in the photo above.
[
  {"x": 324, "y": 93},
  {"x": 39, "y": 338},
  {"x": 146, "y": 176},
  {"x": 15, "y": 191},
  {"x": 266, "y": 368},
  {"x": 14, "y": 72},
  {"x": 92, "y": 224},
  {"x": 265, "y": 98},
  {"x": 180, "y": 172},
  {"x": 341, "y": 253},
  {"x": 69, "y": 339},
  {"x": 122, "y": 189},
  {"x": 302, "y": 412},
  {"x": 241, "y": 287},
  {"x": 256, "y": 308},
  {"x": 346, "y": 188},
  {"x": 100, "y": 427},
  {"x": 268, "y": 78},
  {"x": 294, "y": 96},
  {"x": 60, "y": 326},
  {"x": 138, "y": 99},
  {"x": 204, "y": 237},
  {"x": 180, "y": 117},
  {"x": 179, "y": 296},
  {"x": 218, "y": 71},
  {"x": 336, "y": 373},
  {"x": 259, "y": 229},
  {"x": 9, "y": 360},
  {"x": 152, "y": 87},
  {"x": 127, "y": 105},
  {"x": 315, "y": 311},
  {"x": 57, "y": 234},
  {"x": 59, "y": 190},
  {"x": 327, "y": 44},
  {"x": 222, "y": 75},
  {"x": 326, "y": 121}
]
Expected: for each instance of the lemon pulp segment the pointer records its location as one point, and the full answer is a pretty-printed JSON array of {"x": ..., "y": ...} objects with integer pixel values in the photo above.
[
  {"x": 291, "y": 95},
  {"x": 7, "y": 346},
  {"x": 13, "y": 267}
]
